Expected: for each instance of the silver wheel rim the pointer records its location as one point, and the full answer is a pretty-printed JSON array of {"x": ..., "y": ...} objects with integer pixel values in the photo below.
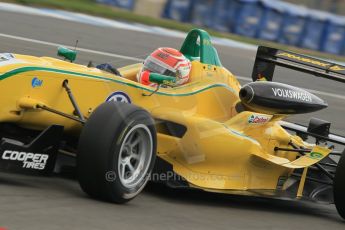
[{"x": 135, "y": 156}]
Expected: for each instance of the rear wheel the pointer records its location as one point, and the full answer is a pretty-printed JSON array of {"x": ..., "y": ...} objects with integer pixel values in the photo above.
[
  {"x": 339, "y": 187},
  {"x": 116, "y": 152}
]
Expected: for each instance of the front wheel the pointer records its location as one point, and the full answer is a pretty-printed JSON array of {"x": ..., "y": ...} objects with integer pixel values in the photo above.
[
  {"x": 116, "y": 152},
  {"x": 339, "y": 187}
]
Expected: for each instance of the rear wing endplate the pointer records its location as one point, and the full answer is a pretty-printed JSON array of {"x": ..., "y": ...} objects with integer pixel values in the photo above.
[{"x": 267, "y": 58}]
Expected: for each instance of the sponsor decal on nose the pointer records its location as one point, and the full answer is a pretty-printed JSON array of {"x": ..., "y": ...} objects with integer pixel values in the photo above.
[
  {"x": 258, "y": 119},
  {"x": 35, "y": 82},
  {"x": 119, "y": 97}
]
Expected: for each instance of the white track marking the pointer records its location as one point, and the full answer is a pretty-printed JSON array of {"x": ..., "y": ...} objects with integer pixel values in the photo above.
[
  {"x": 79, "y": 49},
  {"x": 104, "y": 22},
  {"x": 327, "y": 94},
  {"x": 138, "y": 59}
]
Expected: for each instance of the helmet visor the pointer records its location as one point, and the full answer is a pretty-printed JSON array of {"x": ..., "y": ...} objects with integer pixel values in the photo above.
[{"x": 155, "y": 66}]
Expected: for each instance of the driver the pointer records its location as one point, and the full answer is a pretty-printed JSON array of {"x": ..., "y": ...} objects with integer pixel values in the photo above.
[{"x": 165, "y": 61}]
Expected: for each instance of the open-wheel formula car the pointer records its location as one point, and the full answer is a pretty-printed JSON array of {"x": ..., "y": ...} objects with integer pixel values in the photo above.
[{"x": 209, "y": 134}]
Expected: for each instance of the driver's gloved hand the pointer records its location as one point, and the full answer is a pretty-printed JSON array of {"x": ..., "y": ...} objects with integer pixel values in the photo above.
[{"x": 109, "y": 68}]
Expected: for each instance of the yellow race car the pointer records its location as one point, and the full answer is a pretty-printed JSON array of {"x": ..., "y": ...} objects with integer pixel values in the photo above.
[{"x": 210, "y": 134}]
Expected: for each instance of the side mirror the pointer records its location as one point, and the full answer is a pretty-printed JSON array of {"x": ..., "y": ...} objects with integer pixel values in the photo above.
[
  {"x": 68, "y": 54},
  {"x": 162, "y": 79}
]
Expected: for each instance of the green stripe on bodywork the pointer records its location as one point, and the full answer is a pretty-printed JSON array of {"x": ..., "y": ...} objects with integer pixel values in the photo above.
[
  {"x": 28, "y": 69},
  {"x": 240, "y": 134}
]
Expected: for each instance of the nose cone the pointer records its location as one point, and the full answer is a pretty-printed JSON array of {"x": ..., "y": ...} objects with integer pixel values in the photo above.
[{"x": 279, "y": 98}]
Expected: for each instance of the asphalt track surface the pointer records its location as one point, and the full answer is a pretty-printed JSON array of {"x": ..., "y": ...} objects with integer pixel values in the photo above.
[{"x": 58, "y": 203}]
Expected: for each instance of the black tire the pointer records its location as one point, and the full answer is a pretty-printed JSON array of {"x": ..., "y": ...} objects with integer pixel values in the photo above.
[
  {"x": 99, "y": 151},
  {"x": 339, "y": 187}
]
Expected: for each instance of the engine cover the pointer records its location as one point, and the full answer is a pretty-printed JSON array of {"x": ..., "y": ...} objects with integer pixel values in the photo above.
[{"x": 278, "y": 98}]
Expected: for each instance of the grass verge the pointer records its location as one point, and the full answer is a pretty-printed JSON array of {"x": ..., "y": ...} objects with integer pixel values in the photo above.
[{"x": 93, "y": 8}]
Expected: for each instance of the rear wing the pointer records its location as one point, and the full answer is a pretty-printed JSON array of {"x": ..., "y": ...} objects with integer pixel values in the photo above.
[{"x": 267, "y": 58}]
